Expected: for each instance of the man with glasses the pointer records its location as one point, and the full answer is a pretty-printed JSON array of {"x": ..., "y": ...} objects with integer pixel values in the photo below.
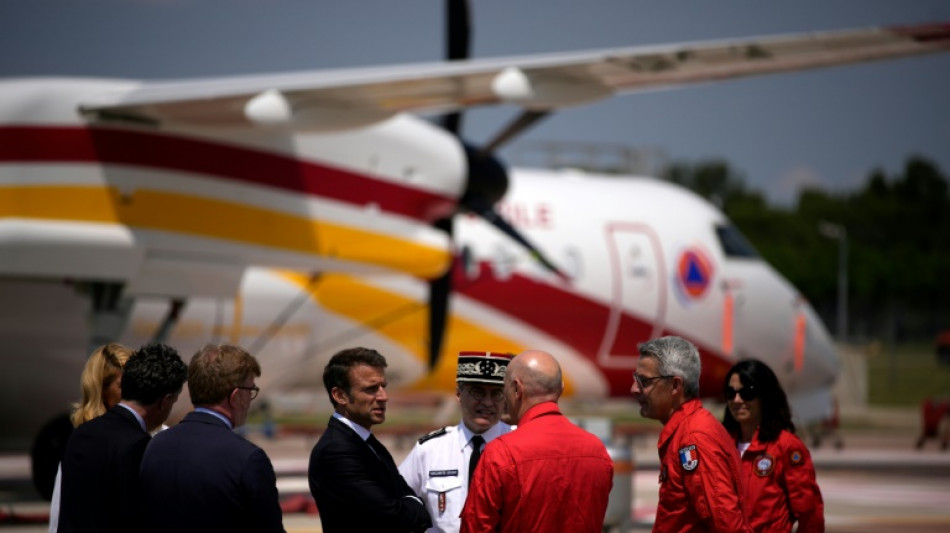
[
  {"x": 699, "y": 464},
  {"x": 202, "y": 476},
  {"x": 440, "y": 465}
]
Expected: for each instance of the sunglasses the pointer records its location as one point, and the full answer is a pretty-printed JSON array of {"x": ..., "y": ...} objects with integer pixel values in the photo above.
[{"x": 747, "y": 393}]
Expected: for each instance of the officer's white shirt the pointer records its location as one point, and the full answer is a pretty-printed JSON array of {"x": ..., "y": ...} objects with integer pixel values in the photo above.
[{"x": 437, "y": 470}]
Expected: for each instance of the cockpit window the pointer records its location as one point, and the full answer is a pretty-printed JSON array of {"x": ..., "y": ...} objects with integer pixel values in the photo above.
[{"x": 733, "y": 243}]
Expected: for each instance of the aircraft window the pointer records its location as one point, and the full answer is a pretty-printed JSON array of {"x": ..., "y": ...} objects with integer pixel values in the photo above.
[{"x": 734, "y": 243}]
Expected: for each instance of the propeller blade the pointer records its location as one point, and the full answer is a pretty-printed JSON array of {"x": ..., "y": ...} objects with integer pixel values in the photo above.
[
  {"x": 492, "y": 217},
  {"x": 457, "y": 30},
  {"x": 439, "y": 290},
  {"x": 514, "y": 128},
  {"x": 457, "y": 39}
]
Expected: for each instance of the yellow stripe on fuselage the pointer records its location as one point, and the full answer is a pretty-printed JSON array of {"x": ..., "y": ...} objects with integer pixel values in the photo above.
[
  {"x": 179, "y": 213},
  {"x": 405, "y": 322}
]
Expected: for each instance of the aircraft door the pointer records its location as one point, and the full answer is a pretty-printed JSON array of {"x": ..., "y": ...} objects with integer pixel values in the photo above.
[{"x": 637, "y": 293}]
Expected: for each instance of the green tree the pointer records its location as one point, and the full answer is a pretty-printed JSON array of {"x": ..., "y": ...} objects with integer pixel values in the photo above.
[{"x": 898, "y": 232}]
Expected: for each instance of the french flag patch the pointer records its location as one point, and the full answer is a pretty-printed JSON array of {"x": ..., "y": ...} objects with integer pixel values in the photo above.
[{"x": 689, "y": 458}]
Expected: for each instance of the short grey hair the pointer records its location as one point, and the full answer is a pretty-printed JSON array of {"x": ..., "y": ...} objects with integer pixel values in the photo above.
[{"x": 676, "y": 357}]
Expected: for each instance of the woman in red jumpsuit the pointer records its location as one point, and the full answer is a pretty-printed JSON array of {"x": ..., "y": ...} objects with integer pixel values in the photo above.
[{"x": 778, "y": 477}]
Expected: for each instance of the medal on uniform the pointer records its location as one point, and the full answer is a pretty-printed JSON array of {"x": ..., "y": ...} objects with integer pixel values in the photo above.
[{"x": 441, "y": 502}]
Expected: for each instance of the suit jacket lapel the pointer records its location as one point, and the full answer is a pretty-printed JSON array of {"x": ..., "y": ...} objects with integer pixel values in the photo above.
[
  {"x": 353, "y": 437},
  {"x": 392, "y": 471}
]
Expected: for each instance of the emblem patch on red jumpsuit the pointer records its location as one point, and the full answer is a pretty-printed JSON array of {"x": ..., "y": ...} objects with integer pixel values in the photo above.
[
  {"x": 796, "y": 458},
  {"x": 689, "y": 457},
  {"x": 764, "y": 464}
]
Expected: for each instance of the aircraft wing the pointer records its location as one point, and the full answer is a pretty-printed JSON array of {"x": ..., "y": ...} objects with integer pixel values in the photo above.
[{"x": 335, "y": 99}]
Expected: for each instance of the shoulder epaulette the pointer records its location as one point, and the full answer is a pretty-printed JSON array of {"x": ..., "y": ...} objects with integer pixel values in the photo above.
[{"x": 432, "y": 435}]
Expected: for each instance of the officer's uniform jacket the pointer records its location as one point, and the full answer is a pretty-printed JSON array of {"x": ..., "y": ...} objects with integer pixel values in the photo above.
[{"x": 437, "y": 470}]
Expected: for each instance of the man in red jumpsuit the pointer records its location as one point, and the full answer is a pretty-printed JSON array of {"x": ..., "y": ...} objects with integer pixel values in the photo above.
[
  {"x": 547, "y": 475},
  {"x": 699, "y": 464}
]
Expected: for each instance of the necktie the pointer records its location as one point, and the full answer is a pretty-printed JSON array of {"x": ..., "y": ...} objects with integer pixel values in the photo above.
[{"x": 477, "y": 442}]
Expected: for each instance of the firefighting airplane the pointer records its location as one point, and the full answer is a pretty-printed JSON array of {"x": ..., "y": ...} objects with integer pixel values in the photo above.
[{"x": 298, "y": 214}]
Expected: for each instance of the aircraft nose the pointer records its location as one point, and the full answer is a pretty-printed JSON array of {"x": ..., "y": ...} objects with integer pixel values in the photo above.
[
  {"x": 820, "y": 351},
  {"x": 775, "y": 323}
]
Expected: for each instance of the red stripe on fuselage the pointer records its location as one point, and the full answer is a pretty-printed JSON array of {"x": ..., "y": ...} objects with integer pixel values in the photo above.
[
  {"x": 42, "y": 144},
  {"x": 580, "y": 323}
]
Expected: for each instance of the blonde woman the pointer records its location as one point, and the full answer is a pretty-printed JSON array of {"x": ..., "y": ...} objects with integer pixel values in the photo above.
[
  {"x": 100, "y": 389},
  {"x": 101, "y": 382}
]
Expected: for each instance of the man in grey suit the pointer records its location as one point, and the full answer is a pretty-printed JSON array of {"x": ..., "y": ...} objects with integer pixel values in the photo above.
[
  {"x": 200, "y": 475},
  {"x": 353, "y": 478},
  {"x": 100, "y": 487}
]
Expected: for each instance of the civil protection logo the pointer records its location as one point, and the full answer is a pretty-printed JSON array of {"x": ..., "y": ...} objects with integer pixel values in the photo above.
[
  {"x": 694, "y": 274},
  {"x": 796, "y": 457}
]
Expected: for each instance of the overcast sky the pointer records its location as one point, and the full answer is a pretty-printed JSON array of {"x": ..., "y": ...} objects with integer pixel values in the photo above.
[{"x": 829, "y": 127}]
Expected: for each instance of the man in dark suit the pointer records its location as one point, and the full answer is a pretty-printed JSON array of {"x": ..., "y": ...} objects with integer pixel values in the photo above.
[
  {"x": 200, "y": 475},
  {"x": 100, "y": 489},
  {"x": 352, "y": 476}
]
